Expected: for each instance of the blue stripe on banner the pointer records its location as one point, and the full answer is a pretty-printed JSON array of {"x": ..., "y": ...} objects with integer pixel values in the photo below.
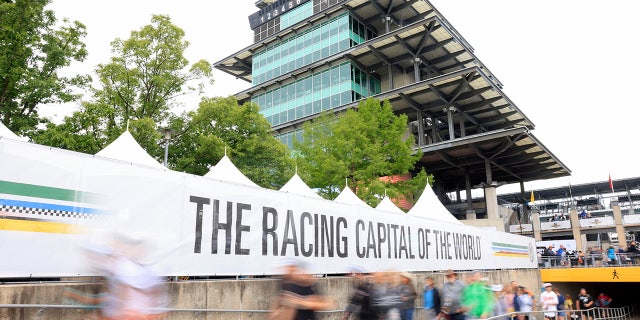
[
  {"x": 509, "y": 249},
  {"x": 49, "y": 206}
]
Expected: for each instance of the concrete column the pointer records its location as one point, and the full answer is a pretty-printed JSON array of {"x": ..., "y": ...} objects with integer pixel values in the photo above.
[
  {"x": 525, "y": 209},
  {"x": 575, "y": 229},
  {"x": 617, "y": 218},
  {"x": 421, "y": 141},
  {"x": 452, "y": 131},
  {"x": 631, "y": 210},
  {"x": 487, "y": 170},
  {"x": 535, "y": 222},
  {"x": 467, "y": 182},
  {"x": 390, "y": 70},
  {"x": 471, "y": 214},
  {"x": 463, "y": 129},
  {"x": 491, "y": 199},
  {"x": 416, "y": 68},
  {"x": 434, "y": 130}
]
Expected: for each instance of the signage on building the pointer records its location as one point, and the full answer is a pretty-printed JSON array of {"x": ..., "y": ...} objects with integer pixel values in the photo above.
[{"x": 272, "y": 11}]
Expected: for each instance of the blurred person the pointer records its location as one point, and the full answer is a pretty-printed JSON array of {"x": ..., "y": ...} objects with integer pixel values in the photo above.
[
  {"x": 386, "y": 296},
  {"x": 561, "y": 313},
  {"x": 451, "y": 297},
  {"x": 298, "y": 298},
  {"x": 611, "y": 255},
  {"x": 584, "y": 303},
  {"x": 568, "y": 307},
  {"x": 603, "y": 301},
  {"x": 500, "y": 304},
  {"x": 430, "y": 299},
  {"x": 477, "y": 299},
  {"x": 549, "y": 300},
  {"x": 508, "y": 297},
  {"x": 633, "y": 252},
  {"x": 360, "y": 301},
  {"x": 408, "y": 295},
  {"x": 524, "y": 302},
  {"x": 132, "y": 290}
]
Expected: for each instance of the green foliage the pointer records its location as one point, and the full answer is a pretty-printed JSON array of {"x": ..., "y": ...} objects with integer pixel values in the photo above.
[
  {"x": 33, "y": 50},
  {"x": 138, "y": 86},
  {"x": 219, "y": 123},
  {"x": 361, "y": 145}
]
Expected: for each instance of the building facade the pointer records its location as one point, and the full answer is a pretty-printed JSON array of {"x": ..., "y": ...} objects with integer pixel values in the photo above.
[{"x": 311, "y": 56}]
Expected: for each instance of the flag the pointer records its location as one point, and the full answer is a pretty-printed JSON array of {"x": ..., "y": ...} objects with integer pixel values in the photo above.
[
  {"x": 610, "y": 183},
  {"x": 533, "y": 199}
]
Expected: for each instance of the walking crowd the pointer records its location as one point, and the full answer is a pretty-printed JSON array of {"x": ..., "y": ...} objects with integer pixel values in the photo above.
[{"x": 392, "y": 296}]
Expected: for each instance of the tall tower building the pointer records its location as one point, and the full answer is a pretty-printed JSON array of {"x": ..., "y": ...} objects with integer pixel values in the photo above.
[{"x": 309, "y": 56}]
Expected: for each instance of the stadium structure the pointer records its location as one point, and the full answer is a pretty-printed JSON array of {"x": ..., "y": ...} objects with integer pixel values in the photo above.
[{"x": 310, "y": 56}]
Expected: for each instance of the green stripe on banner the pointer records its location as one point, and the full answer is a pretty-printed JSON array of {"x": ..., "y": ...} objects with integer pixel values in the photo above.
[
  {"x": 36, "y": 191},
  {"x": 508, "y": 245}
]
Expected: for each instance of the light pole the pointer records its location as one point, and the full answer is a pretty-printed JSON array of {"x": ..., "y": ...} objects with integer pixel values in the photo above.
[{"x": 167, "y": 137}]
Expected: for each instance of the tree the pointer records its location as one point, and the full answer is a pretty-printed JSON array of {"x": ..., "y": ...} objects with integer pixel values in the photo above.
[
  {"x": 362, "y": 146},
  {"x": 219, "y": 123},
  {"x": 138, "y": 88},
  {"x": 33, "y": 50}
]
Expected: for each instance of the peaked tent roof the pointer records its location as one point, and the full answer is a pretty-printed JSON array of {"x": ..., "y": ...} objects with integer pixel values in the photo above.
[
  {"x": 225, "y": 170},
  {"x": 8, "y": 134},
  {"x": 429, "y": 206},
  {"x": 297, "y": 186},
  {"x": 387, "y": 205},
  {"x": 126, "y": 148},
  {"x": 347, "y": 196}
]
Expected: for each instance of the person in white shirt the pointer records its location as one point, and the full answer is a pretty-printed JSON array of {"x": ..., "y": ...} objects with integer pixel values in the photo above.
[{"x": 549, "y": 301}]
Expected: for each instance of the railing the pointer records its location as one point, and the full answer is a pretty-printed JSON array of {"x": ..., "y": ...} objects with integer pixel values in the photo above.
[
  {"x": 622, "y": 313},
  {"x": 589, "y": 260}
]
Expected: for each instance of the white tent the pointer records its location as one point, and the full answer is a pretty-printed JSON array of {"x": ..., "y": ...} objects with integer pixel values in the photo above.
[
  {"x": 8, "y": 134},
  {"x": 347, "y": 196},
  {"x": 225, "y": 170},
  {"x": 297, "y": 186},
  {"x": 126, "y": 148},
  {"x": 429, "y": 206},
  {"x": 387, "y": 205}
]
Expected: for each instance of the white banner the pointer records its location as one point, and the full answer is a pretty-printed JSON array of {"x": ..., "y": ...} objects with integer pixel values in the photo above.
[{"x": 53, "y": 202}]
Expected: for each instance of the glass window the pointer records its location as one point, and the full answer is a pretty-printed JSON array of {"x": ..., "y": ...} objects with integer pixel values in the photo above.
[
  {"x": 326, "y": 79},
  {"x": 317, "y": 106},
  {"x": 345, "y": 97},
  {"x": 308, "y": 109}
]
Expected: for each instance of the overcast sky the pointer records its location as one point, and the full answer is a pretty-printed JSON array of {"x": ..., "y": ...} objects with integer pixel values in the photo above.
[{"x": 570, "y": 66}]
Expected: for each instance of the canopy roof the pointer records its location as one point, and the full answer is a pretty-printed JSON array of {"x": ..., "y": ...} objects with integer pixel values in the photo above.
[
  {"x": 421, "y": 31},
  {"x": 8, "y": 134},
  {"x": 429, "y": 206},
  {"x": 514, "y": 155},
  {"x": 225, "y": 170},
  {"x": 575, "y": 191},
  {"x": 387, "y": 205},
  {"x": 297, "y": 186},
  {"x": 347, "y": 196},
  {"x": 126, "y": 148}
]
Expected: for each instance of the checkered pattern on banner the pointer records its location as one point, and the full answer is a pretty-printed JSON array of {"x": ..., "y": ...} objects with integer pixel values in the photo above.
[{"x": 48, "y": 212}]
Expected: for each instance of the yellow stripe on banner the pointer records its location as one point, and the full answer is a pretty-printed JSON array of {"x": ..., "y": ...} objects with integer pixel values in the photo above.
[
  {"x": 37, "y": 226},
  {"x": 604, "y": 274},
  {"x": 513, "y": 255}
]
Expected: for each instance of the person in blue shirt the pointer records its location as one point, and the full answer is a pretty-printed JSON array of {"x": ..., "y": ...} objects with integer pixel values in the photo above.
[{"x": 430, "y": 299}]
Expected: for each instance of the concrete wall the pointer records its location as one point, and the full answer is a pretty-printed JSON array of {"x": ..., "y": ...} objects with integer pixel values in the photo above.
[{"x": 247, "y": 294}]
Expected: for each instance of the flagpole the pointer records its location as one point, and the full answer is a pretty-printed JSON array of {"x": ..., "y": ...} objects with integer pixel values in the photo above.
[{"x": 570, "y": 195}]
